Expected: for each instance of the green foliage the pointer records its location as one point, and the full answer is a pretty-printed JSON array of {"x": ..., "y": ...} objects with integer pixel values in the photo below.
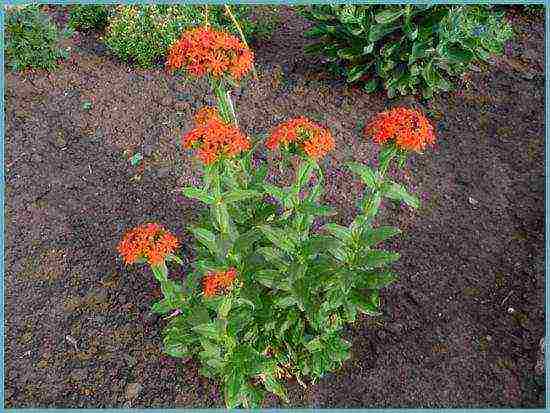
[
  {"x": 88, "y": 16},
  {"x": 405, "y": 48},
  {"x": 296, "y": 288},
  {"x": 292, "y": 289},
  {"x": 32, "y": 39},
  {"x": 142, "y": 34}
]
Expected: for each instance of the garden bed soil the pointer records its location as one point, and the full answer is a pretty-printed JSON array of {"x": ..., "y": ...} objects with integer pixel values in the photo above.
[{"x": 461, "y": 328}]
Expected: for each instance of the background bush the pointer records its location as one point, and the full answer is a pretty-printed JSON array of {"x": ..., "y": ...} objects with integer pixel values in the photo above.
[
  {"x": 32, "y": 39},
  {"x": 142, "y": 34},
  {"x": 405, "y": 48},
  {"x": 88, "y": 16}
]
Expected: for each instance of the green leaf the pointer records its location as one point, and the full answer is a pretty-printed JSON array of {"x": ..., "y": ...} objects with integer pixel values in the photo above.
[
  {"x": 222, "y": 217},
  {"x": 206, "y": 238},
  {"x": 370, "y": 86},
  {"x": 285, "y": 301},
  {"x": 310, "y": 208},
  {"x": 314, "y": 345},
  {"x": 340, "y": 232},
  {"x": 266, "y": 277},
  {"x": 368, "y": 305},
  {"x": 376, "y": 235},
  {"x": 199, "y": 194},
  {"x": 279, "y": 237},
  {"x": 274, "y": 256},
  {"x": 457, "y": 54},
  {"x": 356, "y": 72},
  {"x": 233, "y": 383},
  {"x": 388, "y": 16},
  {"x": 399, "y": 193},
  {"x": 274, "y": 386},
  {"x": 378, "y": 258},
  {"x": 162, "y": 307},
  {"x": 176, "y": 350},
  {"x": 366, "y": 174},
  {"x": 375, "y": 280},
  {"x": 208, "y": 330},
  {"x": 276, "y": 192},
  {"x": 245, "y": 241},
  {"x": 225, "y": 306},
  {"x": 371, "y": 205},
  {"x": 239, "y": 195}
]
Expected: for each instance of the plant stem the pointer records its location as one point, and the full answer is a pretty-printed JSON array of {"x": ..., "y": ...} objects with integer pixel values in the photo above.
[{"x": 225, "y": 104}]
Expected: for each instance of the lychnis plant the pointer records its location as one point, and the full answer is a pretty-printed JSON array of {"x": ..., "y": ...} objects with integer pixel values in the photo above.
[{"x": 268, "y": 295}]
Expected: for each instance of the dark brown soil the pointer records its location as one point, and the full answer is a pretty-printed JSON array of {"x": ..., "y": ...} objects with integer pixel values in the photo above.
[{"x": 460, "y": 329}]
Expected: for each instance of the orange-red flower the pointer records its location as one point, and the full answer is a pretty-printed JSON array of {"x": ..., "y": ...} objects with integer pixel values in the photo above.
[
  {"x": 203, "y": 50},
  {"x": 212, "y": 138},
  {"x": 148, "y": 241},
  {"x": 216, "y": 282},
  {"x": 409, "y": 129},
  {"x": 313, "y": 139}
]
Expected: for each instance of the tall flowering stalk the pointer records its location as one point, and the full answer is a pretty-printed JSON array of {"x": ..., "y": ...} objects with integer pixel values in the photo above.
[{"x": 268, "y": 296}]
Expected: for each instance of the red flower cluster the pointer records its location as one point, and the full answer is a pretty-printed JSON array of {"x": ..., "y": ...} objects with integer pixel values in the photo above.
[
  {"x": 212, "y": 138},
  {"x": 203, "y": 50},
  {"x": 215, "y": 282},
  {"x": 149, "y": 241},
  {"x": 408, "y": 128},
  {"x": 313, "y": 139}
]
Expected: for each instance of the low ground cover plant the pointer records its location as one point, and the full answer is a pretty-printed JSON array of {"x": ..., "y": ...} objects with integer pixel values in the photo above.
[
  {"x": 32, "y": 39},
  {"x": 142, "y": 34},
  {"x": 269, "y": 293},
  {"x": 89, "y": 16},
  {"x": 403, "y": 49}
]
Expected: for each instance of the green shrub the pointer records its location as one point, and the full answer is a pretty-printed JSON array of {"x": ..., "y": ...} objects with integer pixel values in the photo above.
[
  {"x": 142, "y": 34},
  {"x": 405, "y": 48},
  {"x": 88, "y": 16},
  {"x": 32, "y": 39}
]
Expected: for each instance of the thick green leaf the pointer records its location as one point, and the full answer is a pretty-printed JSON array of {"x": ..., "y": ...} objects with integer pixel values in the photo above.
[
  {"x": 457, "y": 54},
  {"x": 356, "y": 72},
  {"x": 162, "y": 306},
  {"x": 176, "y": 350},
  {"x": 206, "y": 238},
  {"x": 378, "y": 258},
  {"x": 366, "y": 304},
  {"x": 267, "y": 277},
  {"x": 239, "y": 195},
  {"x": 388, "y": 16},
  {"x": 399, "y": 193},
  {"x": 274, "y": 386},
  {"x": 199, "y": 194},
  {"x": 366, "y": 174},
  {"x": 340, "y": 232},
  {"x": 245, "y": 241},
  {"x": 233, "y": 382},
  {"x": 225, "y": 306},
  {"x": 375, "y": 235},
  {"x": 208, "y": 330},
  {"x": 278, "y": 193},
  {"x": 279, "y": 237},
  {"x": 314, "y": 345},
  {"x": 222, "y": 217},
  {"x": 370, "y": 86},
  {"x": 375, "y": 280},
  {"x": 274, "y": 256},
  {"x": 310, "y": 208}
]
